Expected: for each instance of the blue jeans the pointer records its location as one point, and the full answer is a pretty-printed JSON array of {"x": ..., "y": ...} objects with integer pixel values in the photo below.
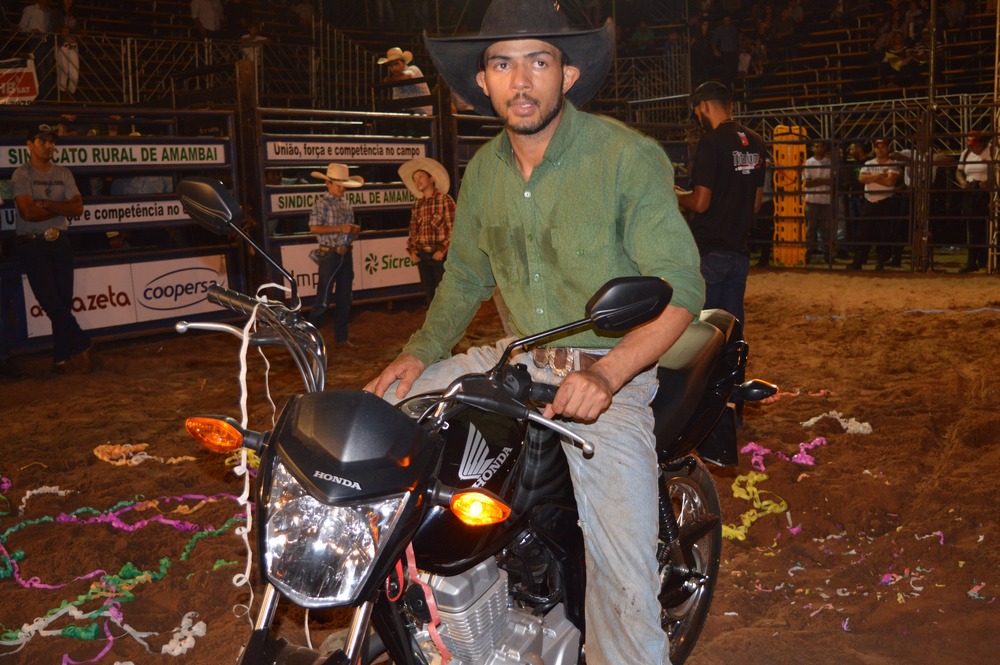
[
  {"x": 49, "y": 268},
  {"x": 725, "y": 275},
  {"x": 334, "y": 270},
  {"x": 622, "y": 608}
]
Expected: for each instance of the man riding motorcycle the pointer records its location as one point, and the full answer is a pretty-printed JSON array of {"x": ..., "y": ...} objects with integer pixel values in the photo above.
[{"x": 551, "y": 208}]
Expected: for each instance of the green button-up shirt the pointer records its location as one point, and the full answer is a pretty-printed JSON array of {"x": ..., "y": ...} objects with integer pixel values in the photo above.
[{"x": 601, "y": 204}]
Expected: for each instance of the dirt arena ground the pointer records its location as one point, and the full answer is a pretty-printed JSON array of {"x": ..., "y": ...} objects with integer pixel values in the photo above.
[{"x": 859, "y": 515}]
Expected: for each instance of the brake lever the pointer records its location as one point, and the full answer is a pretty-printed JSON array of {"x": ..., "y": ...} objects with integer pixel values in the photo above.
[
  {"x": 184, "y": 326},
  {"x": 586, "y": 447}
]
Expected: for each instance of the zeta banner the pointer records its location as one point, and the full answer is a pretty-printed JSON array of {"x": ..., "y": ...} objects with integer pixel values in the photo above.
[{"x": 18, "y": 82}]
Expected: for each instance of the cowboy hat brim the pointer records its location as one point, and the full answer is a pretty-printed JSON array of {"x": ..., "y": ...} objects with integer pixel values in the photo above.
[
  {"x": 352, "y": 181},
  {"x": 442, "y": 181},
  {"x": 457, "y": 60},
  {"x": 405, "y": 56}
]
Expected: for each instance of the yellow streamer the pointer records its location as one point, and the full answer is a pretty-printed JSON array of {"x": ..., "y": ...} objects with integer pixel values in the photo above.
[{"x": 745, "y": 487}]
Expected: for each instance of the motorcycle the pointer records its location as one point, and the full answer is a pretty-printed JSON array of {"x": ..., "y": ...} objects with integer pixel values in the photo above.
[{"x": 448, "y": 523}]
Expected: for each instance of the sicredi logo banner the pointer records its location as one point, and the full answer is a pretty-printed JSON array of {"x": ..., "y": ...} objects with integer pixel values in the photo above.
[
  {"x": 358, "y": 198},
  {"x": 109, "y": 296},
  {"x": 377, "y": 263},
  {"x": 125, "y": 152},
  {"x": 342, "y": 151}
]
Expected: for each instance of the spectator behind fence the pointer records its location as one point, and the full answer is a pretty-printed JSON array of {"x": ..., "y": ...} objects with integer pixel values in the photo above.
[
  {"x": 953, "y": 13},
  {"x": 36, "y": 21},
  {"x": 397, "y": 61},
  {"x": 853, "y": 191},
  {"x": 253, "y": 42},
  {"x": 914, "y": 19},
  {"x": 702, "y": 55},
  {"x": 879, "y": 176},
  {"x": 898, "y": 66},
  {"x": 726, "y": 48},
  {"x": 642, "y": 41},
  {"x": 208, "y": 17},
  {"x": 974, "y": 174},
  {"x": 819, "y": 209}
]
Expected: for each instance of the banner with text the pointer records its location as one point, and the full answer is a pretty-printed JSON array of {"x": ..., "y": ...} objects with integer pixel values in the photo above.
[
  {"x": 378, "y": 262},
  {"x": 18, "y": 82},
  {"x": 132, "y": 212},
  {"x": 118, "y": 295},
  {"x": 125, "y": 152},
  {"x": 113, "y": 214},
  {"x": 297, "y": 202},
  {"x": 341, "y": 151}
]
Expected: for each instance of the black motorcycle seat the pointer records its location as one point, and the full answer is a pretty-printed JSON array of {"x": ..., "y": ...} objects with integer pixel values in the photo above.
[{"x": 685, "y": 369}]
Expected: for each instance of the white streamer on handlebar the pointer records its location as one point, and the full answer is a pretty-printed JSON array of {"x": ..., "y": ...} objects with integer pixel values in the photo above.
[{"x": 242, "y": 469}]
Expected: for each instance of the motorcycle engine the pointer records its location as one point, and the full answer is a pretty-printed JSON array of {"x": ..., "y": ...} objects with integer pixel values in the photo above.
[{"x": 480, "y": 627}]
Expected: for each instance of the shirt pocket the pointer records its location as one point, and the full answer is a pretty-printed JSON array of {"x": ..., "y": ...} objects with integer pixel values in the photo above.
[{"x": 500, "y": 246}]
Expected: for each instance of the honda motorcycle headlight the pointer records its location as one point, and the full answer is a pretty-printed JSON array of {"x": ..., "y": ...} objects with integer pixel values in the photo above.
[{"x": 319, "y": 555}]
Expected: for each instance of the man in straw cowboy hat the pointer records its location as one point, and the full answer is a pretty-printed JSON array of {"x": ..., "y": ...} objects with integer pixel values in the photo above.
[
  {"x": 549, "y": 210},
  {"x": 332, "y": 221},
  {"x": 397, "y": 61},
  {"x": 431, "y": 218}
]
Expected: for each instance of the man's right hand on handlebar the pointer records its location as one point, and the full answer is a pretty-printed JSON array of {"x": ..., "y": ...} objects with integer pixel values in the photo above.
[{"x": 406, "y": 368}]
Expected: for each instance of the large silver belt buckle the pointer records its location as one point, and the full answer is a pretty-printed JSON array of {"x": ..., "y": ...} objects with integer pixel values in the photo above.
[{"x": 51, "y": 234}]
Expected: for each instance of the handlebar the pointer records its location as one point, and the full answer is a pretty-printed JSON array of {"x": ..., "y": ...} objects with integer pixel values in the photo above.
[
  {"x": 278, "y": 326},
  {"x": 506, "y": 393},
  {"x": 234, "y": 300}
]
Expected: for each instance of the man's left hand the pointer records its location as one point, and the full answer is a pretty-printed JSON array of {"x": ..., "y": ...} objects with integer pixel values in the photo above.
[{"x": 583, "y": 396}]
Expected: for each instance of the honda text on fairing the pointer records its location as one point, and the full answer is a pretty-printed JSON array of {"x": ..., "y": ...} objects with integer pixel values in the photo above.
[{"x": 448, "y": 522}]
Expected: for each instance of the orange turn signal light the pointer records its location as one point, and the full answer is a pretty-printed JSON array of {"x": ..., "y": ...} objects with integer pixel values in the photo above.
[
  {"x": 216, "y": 435},
  {"x": 478, "y": 508}
]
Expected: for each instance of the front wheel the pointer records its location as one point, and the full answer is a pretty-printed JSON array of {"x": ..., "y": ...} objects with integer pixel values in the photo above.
[{"x": 689, "y": 570}]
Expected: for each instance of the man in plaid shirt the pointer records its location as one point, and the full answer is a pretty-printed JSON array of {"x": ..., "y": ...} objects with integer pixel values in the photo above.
[
  {"x": 332, "y": 221},
  {"x": 431, "y": 219}
]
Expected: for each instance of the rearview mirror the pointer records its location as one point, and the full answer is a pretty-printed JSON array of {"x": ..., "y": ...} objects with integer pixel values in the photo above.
[
  {"x": 210, "y": 204},
  {"x": 213, "y": 207},
  {"x": 626, "y": 302}
]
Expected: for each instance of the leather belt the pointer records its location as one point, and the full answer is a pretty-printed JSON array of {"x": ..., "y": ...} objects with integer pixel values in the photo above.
[
  {"x": 562, "y": 360},
  {"x": 339, "y": 249},
  {"x": 50, "y": 234}
]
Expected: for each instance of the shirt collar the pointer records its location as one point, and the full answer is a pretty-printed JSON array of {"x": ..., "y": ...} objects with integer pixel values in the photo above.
[{"x": 560, "y": 143}]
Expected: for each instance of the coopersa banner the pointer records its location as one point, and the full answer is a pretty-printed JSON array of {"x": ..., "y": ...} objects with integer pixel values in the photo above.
[
  {"x": 109, "y": 296},
  {"x": 18, "y": 81}
]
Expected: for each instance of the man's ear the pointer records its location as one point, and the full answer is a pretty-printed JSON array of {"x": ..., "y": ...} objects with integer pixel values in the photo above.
[
  {"x": 570, "y": 76},
  {"x": 481, "y": 80}
]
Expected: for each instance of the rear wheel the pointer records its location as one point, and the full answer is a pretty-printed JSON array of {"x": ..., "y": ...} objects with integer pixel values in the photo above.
[{"x": 687, "y": 584}]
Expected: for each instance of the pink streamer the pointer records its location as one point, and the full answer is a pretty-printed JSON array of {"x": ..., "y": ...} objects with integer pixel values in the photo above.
[
  {"x": 114, "y": 520},
  {"x": 757, "y": 453}
]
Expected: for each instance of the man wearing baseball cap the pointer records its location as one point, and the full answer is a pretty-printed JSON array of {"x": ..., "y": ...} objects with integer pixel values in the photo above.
[
  {"x": 549, "y": 210},
  {"x": 727, "y": 189},
  {"x": 45, "y": 194}
]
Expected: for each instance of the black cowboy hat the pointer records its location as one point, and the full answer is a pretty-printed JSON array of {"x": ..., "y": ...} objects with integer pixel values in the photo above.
[{"x": 458, "y": 59}]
